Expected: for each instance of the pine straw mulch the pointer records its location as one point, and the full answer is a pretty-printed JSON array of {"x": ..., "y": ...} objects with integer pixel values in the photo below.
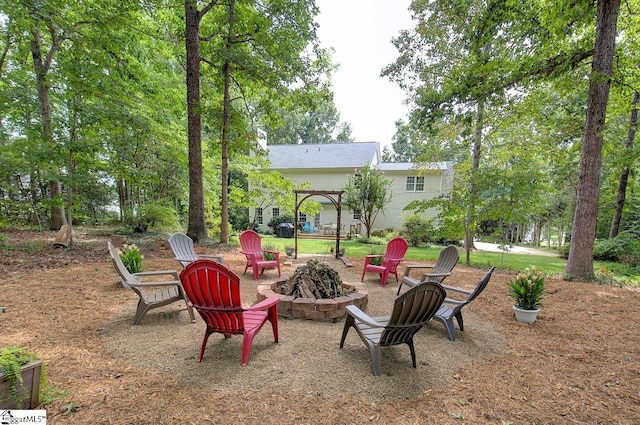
[{"x": 577, "y": 365}]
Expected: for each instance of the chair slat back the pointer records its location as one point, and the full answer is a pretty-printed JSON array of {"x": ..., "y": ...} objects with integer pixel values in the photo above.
[
  {"x": 214, "y": 291},
  {"x": 411, "y": 311},
  {"x": 251, "y": 242},
  {"x": 480, "y": 286},
  {"x": 396, "y": 248},
  {"x": 181, "y": 245},
  {"x": 447, "y": 260}
]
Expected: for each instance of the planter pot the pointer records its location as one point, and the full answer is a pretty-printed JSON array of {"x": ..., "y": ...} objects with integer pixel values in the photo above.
[
  {"x": 289, "y": 251},
  {"x": 526, "y": 316},
  {"x": 29, "y": 390}
]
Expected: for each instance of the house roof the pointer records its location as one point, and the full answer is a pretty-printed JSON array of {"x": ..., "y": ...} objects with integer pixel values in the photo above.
[
  {"x": 325, "y": 155},
  {"x": 405, "y": 166}
]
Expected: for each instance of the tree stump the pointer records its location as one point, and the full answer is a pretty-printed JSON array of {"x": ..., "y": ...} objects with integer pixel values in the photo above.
[{"x": 64, "y": 237}]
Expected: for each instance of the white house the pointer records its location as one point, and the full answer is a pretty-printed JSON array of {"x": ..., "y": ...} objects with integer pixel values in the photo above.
[{"x": 328, "y": 166}]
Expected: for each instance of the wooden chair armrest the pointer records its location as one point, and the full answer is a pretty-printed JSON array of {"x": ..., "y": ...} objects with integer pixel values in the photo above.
[
  {"x": 218, "y": 258},
  {"x": 157, "y": 273},
  {"x": 410, "y": 267},
  {"x": 265, "y": 304},
  {"x": 374, "y": 256},
  {"x": 456, "y": 289},
  {"x": 152, "y": 283},
  {"x": 362, "y": 316},
  {"x": 426, "y": 276},
  {"x": 454, "y": 302}
]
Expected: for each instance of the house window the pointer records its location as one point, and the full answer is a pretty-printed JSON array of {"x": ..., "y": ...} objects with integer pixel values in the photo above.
[
  {"x": 259, "y": 219},
  {"x": 415, "y": 184},
  {"x": 302, "y": 217},
  {"x": 275, "y": 212},
  {"x": 316, "y": 221},
  {"x": 356, "y": 216}
]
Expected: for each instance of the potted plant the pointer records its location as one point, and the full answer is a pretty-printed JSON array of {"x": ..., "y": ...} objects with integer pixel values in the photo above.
[
  {"x": 527, "y": 290},
  {"x": 21, "y": 373},
  {"x": 289, "y": 250}
]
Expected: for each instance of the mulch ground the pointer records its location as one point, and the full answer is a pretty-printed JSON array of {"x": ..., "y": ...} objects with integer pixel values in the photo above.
[{"x": 578, "y": 364}]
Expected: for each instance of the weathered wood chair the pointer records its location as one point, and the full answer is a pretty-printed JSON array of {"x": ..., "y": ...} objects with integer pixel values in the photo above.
[
  {"x": 152, "y": 294},
  {"x": 411, "y": 311},
  {"x": 447, "y": 260},
  {"x": 214, "y": 291},
  {"x": 453, "y": 308},
  {"x": 251, "y": 244},
  {"x": 394, "y": 254},
  {"x": 184, "y": 251}
]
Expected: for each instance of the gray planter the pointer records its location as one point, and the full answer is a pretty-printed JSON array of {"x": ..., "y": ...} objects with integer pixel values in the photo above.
[{"x": 526, "y": 316}]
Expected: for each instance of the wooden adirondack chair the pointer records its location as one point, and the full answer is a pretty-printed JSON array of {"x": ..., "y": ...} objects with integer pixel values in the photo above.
[
  {"x": 214, "y": 291},
  {"x": 152, "y": 294},
  {"x": 251, "y": 244},
  {"x": 447, "y": 260},
  {"x": 411, "y": 311},
  {"x": 182, "y": 247},
  {"x": 453, "y": 307},
  {"x": 394, "y": 254}
]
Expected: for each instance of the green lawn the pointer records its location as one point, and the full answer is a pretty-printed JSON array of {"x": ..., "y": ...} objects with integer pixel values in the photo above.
[{"x": 510, "y": 261}]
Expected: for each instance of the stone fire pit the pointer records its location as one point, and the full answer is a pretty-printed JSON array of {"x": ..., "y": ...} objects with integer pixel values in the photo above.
[{"x": 310, "y": 304}]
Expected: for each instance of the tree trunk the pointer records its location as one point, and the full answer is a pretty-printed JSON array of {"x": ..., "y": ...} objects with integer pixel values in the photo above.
[
  {"x": 470, "y": 222},
  {"x": 224, "y": 198},
  {"x": 580, "y": 262},
  {"x": 197, "y": 228},
  {"x": 41, "y": 69},
  {"x": 624, "y": 175}
]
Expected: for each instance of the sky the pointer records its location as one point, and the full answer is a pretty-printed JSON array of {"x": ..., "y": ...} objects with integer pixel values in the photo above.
[{"x": 360, "y": 32}]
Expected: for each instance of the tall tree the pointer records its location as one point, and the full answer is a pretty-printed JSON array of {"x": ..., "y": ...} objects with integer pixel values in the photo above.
[
  {"x": 196, "y": 228},
  {"x": 367, "y": 193},
  {"x": 580, "y": 262},
  {"x": 621, "y": 193}
]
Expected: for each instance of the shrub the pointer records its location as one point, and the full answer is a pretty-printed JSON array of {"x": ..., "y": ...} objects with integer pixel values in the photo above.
[
  {"x": 527, "y": 289},
  {"x": 418, "y": 230},
  {"x": 624, "y": 247},
  {"x": 132, "y": 258},
  {"x": 276, "y": 221},
  {"x": 269, "y": 247},
  {"x": 376, "y": 261}
]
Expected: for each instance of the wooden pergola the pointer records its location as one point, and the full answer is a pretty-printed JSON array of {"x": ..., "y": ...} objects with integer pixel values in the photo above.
[{"x": 335, "y": 196}]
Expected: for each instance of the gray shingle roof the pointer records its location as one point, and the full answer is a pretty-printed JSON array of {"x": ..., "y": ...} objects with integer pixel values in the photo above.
[{"x": 326, "y": 155}]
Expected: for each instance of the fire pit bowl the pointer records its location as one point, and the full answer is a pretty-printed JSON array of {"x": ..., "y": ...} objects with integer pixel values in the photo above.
[{"x": 322, "y": 309}]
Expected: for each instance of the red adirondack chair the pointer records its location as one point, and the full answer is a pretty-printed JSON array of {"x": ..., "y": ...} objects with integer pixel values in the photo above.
[
  {"x": 251, "y": 244},
  {"x": 214, "y": 291},
  {"x": 394, "y": 254}
]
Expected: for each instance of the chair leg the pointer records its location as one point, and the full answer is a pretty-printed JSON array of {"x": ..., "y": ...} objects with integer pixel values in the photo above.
[
  {"x": 247, "y": 340},
  {"x": 204, "y": 344},
  {"x": 413, "y": 352},
  {"x": 273, "y": 318},
  {"x": 375, "y": 358},
  {"x": 384, "y": 276},
  {"x": 364, "y": 270},
  {"x": 141, "y": 310},
  {"x": 448, "y": 324},
  {"x": 255, "y": 273},
  {"x": 348, "y": 323},
  {"x": 399, "y": 286},
  {"x": 279, "y": 274},
  {"x": 459, "y": 319}
]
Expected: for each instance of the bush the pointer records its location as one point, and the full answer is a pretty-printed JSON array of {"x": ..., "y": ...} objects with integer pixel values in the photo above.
[
  {"x": 158, "y": 215},
  {"x": 624, "y": 248},
  {"x": 418, "y": 230},
  {"x": 132, "y": 258},
  {"x": 276, "y": 221},
  {"x": 376, "y": 261},
  {"x": 269, "y": 246}
]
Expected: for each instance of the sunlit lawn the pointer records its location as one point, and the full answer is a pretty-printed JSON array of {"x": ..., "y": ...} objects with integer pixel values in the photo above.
[{"x": 552, "y": 265}]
